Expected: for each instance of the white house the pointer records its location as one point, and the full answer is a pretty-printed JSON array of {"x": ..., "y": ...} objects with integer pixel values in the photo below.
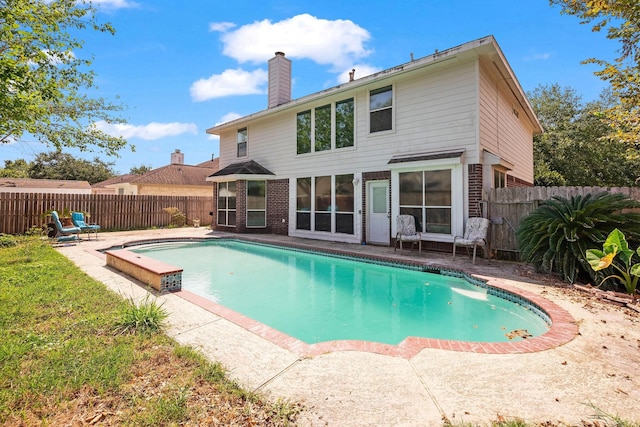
[{"x": 423, "y": 138}]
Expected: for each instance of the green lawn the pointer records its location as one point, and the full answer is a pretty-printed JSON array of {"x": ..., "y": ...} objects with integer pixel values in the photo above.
[{"x": 69, "y": 353}]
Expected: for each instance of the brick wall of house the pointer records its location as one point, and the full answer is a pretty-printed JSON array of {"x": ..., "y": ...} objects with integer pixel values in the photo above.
[
  {"x": 512, "y": 181},
  {"x": 371, "y": 176},
  {"x": 277, "y": 209},
  {"x": 278, "y": 206},
  {"x": 475, "y": 190}
]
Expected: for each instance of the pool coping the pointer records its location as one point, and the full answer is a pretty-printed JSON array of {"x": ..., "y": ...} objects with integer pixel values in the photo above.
[{"x": 563, "y": 327}]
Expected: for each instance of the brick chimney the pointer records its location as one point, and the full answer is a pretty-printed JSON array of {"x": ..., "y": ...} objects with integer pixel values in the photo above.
[
  {"x": 177, "y": 158},
  {"x": 279, "y": 80}
]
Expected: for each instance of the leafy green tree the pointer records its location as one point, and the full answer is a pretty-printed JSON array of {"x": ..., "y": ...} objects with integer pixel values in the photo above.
[
  {"x": 622, "y": 20},
  {"x": 43, "y": 84},
  {"x": 576, "y": 148},
  {"x": 15, "y": 169},
  {"x": 139, "y": 170},
  {"x": 58, "y": 165}
]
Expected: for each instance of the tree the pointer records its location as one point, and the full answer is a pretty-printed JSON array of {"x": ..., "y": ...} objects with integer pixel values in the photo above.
[
  {"x": 15, "y": 169},
  {"x": 623, "y": 74},
  {"x": 575, "y": 148},
  {"x": 43, "y": 84},
  {"x": 139, "y": 170},
  {"x": 58, "y": 165}
]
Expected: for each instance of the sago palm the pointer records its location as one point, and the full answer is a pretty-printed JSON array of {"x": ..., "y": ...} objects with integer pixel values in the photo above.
[{"x": 556, "y": 236}]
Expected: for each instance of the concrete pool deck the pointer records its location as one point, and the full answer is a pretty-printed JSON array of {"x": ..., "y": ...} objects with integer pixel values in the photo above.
[{"x": 595, "y": 372}]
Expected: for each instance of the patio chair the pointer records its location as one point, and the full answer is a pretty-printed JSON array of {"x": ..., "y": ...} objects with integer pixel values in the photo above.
[
  {"x": 475, "y": 234},
  {"x": 406, "y": 232},
  {"x": 64, "y": 234},
  {"x": 79, "y": 221}
]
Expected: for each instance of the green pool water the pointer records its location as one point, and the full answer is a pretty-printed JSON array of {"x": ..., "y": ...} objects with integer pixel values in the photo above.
[{"x": 318, "y": 298}]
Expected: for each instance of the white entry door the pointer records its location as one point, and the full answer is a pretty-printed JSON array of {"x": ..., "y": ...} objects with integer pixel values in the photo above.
[{"x": 378, "y": 212}]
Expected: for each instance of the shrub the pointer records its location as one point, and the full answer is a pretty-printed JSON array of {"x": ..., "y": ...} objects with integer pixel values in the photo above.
[
  {"x": 555, "y": 237},
  {"x": 178, "y": 218},
  {"x": 147, "y": 317},
  {"x": 625, "y": 271},
  {"x": 7, "y": 240}
]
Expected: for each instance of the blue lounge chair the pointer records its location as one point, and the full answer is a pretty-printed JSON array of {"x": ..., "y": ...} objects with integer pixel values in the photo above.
[
  {"x": 78, "y": 221},
  {"x": 65, "y": 234}
]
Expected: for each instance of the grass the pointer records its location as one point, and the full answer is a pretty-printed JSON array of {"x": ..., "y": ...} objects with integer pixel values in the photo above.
[{"x": 73, "y": 352}]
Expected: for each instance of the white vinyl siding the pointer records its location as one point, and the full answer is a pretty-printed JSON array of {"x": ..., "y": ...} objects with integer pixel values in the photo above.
[
  {"x": 502, "y": 130},
  {"x": 435, "y": 110}
]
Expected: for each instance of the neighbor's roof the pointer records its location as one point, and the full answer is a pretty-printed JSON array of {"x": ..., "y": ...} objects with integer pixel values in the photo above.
[
  {"x": 211, "y": 164},
  {"x": 486, "y": 47},
  {"x": 174, "y": 174},
  {"x": 44, "y": 183},
  {"x": 115, "y": 180}
]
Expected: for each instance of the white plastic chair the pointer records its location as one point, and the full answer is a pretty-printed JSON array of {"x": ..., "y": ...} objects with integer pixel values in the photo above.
[
  {"x": 406, "y": 232},
  {"x": 475, "y": 234}
]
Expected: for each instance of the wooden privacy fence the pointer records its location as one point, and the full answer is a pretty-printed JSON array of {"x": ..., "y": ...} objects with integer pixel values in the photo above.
[
  {"x": 506, "y": 207},
  {"x": 21, "y": 211}
]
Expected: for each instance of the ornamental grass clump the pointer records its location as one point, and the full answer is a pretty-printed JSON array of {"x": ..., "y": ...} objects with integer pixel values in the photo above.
[
  {"x": 556, "y": 236},
  {"x": 146, "y": 318}
]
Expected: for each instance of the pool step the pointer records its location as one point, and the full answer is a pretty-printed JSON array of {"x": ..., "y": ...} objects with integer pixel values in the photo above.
[{"x": 157, "y": 274}]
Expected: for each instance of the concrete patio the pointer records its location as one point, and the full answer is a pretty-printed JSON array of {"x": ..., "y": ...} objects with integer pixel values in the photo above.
[{"x": 597, "y": 371}]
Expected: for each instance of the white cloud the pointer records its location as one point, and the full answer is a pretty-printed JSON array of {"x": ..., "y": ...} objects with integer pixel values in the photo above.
[
  {"x": 228, "y": 118},
  {"x": 230, "y": 82},
  {"x": 116, "y": 4},
  {"x": 362, "y": 70},
  {"x": 538, "y": 57},
  {"x": 339, "y": 43},
  {"x": 222, "y": 27},
  {"x": 149, "y": 131}
]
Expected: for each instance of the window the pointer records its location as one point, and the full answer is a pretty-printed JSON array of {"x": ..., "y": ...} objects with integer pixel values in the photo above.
[
  {"x": 303, "y": 132},
  {"x": 256, "y": 203},
  {"x": 326, "y": 127},
  {"x": 242, "y": 142},
  {"x": 303, "y": 204},
  {"x": 381, "y": 109},
  {"x": 499, "y": 179},
  {"x": 325, "y": 203},
  {"x": 227, "y": 203},
  {"x": 427, "y": 196},
  {"x": 344, "y": 123},
  {"x": 323, "y": 128}
]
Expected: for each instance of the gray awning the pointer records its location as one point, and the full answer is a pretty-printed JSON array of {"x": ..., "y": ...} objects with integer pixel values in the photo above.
[
  {"x": 251, "y": 170},
  {"x": 421, "y": 157}
]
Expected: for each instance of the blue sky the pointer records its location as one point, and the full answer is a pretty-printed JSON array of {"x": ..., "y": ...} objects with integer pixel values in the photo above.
[{"x": 181, "y": 67}]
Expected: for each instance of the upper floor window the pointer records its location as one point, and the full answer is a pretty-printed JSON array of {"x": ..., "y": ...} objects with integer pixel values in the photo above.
[
  {"x": 344, "y": 123},
  {"x": 381, "y": 109},
  {"x": 242, "y": 142},
  {"x": 325, "y": 127},
  {"x": 303, "y": 132}
]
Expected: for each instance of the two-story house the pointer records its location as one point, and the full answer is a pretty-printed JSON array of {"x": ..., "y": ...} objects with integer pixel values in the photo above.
[{"x": 423, "y": 138}]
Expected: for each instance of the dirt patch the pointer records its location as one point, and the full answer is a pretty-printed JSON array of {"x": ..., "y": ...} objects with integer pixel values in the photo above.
[{"x": 159, "y": 377}]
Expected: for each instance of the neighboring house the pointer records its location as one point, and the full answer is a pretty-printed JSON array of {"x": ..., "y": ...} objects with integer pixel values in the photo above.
[
  {"x": 424, "y": 138},
  {"x": 173, "y": 179},
  {"x": 104, "y": 187},
  {"x": 26, "y": 185}
]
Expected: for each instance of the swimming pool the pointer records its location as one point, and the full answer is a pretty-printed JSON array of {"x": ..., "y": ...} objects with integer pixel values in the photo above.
[{"x": 317, "y": 298}]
